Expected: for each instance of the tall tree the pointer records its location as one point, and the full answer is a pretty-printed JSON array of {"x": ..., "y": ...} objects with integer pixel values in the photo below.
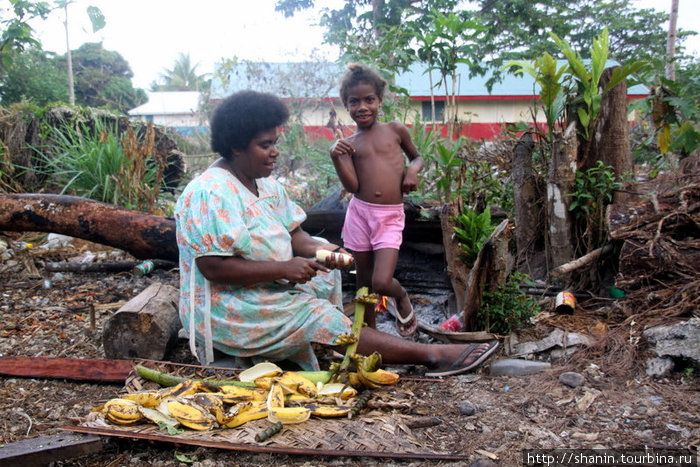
[
  {"x": 182, "y": 77},
  {"x": 103, "y": 79}
]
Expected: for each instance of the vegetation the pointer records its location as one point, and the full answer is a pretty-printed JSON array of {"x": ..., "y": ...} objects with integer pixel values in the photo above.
[
  {"x": 472, "y": 231},
  {"x": 507, "y": 308},
  {"x": 182, "y": 77},
  {"x": 93, "y": 162}
]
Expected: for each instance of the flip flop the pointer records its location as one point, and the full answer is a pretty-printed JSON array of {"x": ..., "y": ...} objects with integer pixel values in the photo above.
[
  {"x": 457, "y": 367},
  {"x": 406, "y": 327}
]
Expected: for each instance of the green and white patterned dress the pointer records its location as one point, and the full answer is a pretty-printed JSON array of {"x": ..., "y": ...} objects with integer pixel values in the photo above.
[{"x": 217, "y": 216}]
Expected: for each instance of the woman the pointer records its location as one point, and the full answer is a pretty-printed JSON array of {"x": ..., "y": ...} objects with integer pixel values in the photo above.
[{"x": 250, "y": 286}]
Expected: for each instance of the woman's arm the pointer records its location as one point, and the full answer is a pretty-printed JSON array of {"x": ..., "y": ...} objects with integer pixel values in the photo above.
[{"x": 239, "y": 271}]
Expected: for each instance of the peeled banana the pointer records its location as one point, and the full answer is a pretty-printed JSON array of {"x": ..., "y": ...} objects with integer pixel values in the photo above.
[{"x": 122, "y": 411}]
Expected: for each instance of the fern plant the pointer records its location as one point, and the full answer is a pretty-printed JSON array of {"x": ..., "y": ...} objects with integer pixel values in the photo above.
[{"x": 472, "y": 230}]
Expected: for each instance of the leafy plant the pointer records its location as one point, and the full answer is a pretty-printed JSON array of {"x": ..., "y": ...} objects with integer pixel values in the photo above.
[
  {"x": 446, "y": 164},
  {"x": 507, "y": 308},
  {"x": 593, "y": 191},
  {"x": 95, "y": 163},
  {"x": 545, "y": 72},
  {"x": 472, "y": 231},
  {"x": 587, "y": 79}
]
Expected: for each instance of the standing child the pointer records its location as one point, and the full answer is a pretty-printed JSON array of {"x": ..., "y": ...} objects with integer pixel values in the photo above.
[{"x": 371, "y": 166}]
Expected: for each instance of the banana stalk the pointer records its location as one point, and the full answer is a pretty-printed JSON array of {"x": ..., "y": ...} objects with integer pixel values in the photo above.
[
  {"x": 166, "y": 379},
  {"x": 362, "y": 297}
]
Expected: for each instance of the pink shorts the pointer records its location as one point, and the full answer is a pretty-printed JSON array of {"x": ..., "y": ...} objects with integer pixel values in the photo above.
[{"x": 370, "y": 226}]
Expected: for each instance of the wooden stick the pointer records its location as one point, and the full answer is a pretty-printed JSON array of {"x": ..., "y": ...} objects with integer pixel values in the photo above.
[{"x": 579, "y": 262}]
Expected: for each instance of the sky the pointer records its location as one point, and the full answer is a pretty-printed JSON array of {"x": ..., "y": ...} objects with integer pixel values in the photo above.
[{"x": 150, "y": 34}]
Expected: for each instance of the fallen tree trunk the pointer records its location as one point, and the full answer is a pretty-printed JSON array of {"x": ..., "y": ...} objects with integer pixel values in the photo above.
[
  {"x": 143, "y": 235},
  {"x": 79, "y": 369},
  {"x": 145, "y": 327}
]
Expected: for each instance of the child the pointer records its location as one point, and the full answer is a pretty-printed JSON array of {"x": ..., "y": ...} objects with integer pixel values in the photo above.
[{"x": 371, "y": 166}]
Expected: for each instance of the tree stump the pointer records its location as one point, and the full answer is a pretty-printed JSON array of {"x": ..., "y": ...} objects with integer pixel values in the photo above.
[{"x": 145, "y": 327}]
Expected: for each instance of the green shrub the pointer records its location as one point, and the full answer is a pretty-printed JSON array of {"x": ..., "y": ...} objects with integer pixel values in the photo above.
[
  {"x": 472, "y": 230},
  {"x": 507, "y": 308}
]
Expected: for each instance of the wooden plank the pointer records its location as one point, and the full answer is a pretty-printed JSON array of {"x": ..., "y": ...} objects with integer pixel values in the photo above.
[
  {"x": 47, "y": 449},
  {"x": 81, "y": 369}
]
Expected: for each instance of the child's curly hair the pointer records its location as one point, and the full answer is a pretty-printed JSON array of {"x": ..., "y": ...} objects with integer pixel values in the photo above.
[
  {"x": 241, "y": 116},
  {"x": 357, "y": 74}
]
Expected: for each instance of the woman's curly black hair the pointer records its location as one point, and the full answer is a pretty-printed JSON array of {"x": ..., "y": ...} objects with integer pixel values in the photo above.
[
  {"x": 357, "y": 74},
  {"x": 243, "y": 115}
]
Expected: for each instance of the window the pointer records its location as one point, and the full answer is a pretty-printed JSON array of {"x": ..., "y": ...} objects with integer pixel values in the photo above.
[{"x": 426, "y": 111}]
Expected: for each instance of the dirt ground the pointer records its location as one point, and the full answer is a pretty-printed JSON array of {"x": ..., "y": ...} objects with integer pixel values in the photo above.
[{"x": 48, "y": 314}]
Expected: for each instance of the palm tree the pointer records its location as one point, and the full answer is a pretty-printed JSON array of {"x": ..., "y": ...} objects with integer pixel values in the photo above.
[{"x": 182, "y": 77}]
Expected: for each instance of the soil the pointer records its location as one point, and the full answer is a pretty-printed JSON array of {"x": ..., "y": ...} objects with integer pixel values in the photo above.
[{"x": 48, "y": 314}]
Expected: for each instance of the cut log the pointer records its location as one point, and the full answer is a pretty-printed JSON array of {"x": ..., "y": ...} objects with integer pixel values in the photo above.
[
  {"x": 490, "y": 270},
  {"x": 145, "y": 327},
  {"x": 79, "y": 369},
  {"x": 580, "y": 262},
  {"x": 143, "y": 235}
]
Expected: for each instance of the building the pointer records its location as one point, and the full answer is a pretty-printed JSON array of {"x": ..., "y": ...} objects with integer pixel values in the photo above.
[
  {"x": 482, "y": 114},
  {"x": 177, "y": 110}
]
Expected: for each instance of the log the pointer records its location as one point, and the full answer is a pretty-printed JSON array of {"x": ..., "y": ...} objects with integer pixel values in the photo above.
[
  {"x": 79, "y": 369},
  {"x": 48, "y": 449},
  {"x": 143, "y": 235},
  {"x": 146, "y": 326}
]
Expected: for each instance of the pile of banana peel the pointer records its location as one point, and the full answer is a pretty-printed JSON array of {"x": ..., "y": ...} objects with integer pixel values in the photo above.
[{"x": 262, "y": 391}]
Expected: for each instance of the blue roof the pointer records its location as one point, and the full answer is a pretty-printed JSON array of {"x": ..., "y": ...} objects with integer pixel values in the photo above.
[{"x": 284, "y": 79}]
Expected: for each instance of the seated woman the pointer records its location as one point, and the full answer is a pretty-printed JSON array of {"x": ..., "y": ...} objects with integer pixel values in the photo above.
[{"x": 249, "y": 282}]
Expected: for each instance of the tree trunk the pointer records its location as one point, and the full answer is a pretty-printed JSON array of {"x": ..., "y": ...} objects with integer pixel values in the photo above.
[
  {"x": 456, "y": 269},
  {"x": 562, "y": 173},
  {"x": 611, "y": 142},
  {"x": 143, "y": 235},
  {"x": 526, "y": 208},
  {"x": 145, "y": 327},
  {"x": 490, "y": 270},
  {"x": 671, "y": 42}
]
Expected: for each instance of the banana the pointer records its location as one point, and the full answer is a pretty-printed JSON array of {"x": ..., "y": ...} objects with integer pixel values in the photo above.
[
  {"x": 251, "y": 411},
  {"x": 288, "y": 415},
  {"x": 340, "y": 259},
  {"x": 341, "y": 390},
  {"x": 292, "y": 382},
  {"x": 328, "y": 411},
  {"x": 186, "y": 388},
  {"x": 190, "y": 414},
  {"x": 275, "y": 397},
  {"x": 144, "y": 398},
  {"x": 260, "y": 370},
  {"x": 158, "y": 417},
  {"x": 382, "y": 377},
  {"x": 264, "y": 382},
  {"x": 122, "y": 411},
  {"x": 235, "y": 394}
]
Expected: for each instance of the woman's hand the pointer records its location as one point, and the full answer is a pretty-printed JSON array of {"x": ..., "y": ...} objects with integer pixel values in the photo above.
[{"x": 300, "y": 270}]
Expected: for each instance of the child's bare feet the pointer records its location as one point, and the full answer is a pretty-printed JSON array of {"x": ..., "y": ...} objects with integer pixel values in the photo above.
[{"x": 456, "y": 359}]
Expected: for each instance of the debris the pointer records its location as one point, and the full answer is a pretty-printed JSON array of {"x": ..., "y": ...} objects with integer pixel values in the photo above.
[
  {"x": 467, "y": 408},
  {"x": 571, "y": 379},
  {"x": 517, "y": 367}
]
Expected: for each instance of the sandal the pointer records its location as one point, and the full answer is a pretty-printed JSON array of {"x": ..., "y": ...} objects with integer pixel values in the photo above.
[
  {"x": 457, "y": 365},
  {"x": 406, "y": 327}
]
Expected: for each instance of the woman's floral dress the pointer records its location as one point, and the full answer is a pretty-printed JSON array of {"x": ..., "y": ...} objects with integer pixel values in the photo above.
[{"x": 217, "y": 216}]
